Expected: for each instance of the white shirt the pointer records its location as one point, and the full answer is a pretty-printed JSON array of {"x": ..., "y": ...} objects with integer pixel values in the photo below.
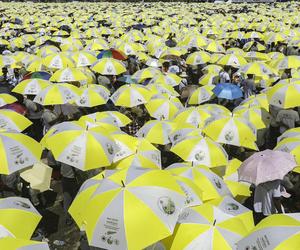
[
  {"x": 287, "y": 119},
  {"x": 224, "y": 77},
  {"x": 263, "y": 197}
]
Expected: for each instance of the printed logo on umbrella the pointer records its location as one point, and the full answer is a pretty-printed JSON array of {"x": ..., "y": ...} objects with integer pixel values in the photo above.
[
  {"x": 200, "y": 156},
  {"x": 166, "y": 205},
  {"x": 22, "y": 204},
  {"x": 229, "y": 136}
]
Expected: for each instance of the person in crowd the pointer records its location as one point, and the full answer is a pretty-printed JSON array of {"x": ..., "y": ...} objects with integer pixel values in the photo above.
[{"x": 267, "y": 199}]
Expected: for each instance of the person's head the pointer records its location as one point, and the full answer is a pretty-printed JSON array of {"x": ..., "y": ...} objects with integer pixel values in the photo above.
[
  {"x": 165, "y": 66},
  {"x": 250, "y": 76}
]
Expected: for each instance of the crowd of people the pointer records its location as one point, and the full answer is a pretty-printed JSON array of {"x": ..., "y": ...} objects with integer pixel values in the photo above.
[{"x": 185, "y": 49}]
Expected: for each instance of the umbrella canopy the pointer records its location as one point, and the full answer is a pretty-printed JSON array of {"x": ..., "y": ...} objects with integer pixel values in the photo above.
[
  {"x": 108, "y": 66},
  {"x": 199, "y": 57},
  {"x": 112, "y": 53},
  {"x": 151, "y": 197},
  {"x": 38, "y": 75},
  {"x": 230, "y": 206},
  {"x": 265, "y": 166},
  {"x": 6, "y": 99},
  {"x": 157, "y": 132},
  {"x": 228, "y": 91},
  {"x": 93, "y": 95},
  {"x": 232, "y": 60},
  {"x": 281, "y": 230},
  {"x": 82, "y": 149},
  {"x": 68, "y": 75},
  {"x": 131, "y": 95},
  {"x": 193, "y": 115},
  {"x": 31, "y": 86},
  {"x": 17, "y": 151},
  {"x": 83, "y": 58},
  {"x": 117, "y": 118},
  {"x": 203, "y": 151},
  {"x": 13, "y": 243},
  {"x": 15, "y": 210},
  {"x": 163, "y": 108},
  {"x": 290, "y": 144},
  {"x": 257, "y": 69},
  {"x": 212, "y": 185},
  {"x": 135, "y": 152},
  {"x": 233, "y": 130},
  {"x": 201, "y": 95},
  {"x": 58, "y": 61},
  {"x": 284, "y": 95},
  {"x": 57, "y": 94},
  {"x": 206, "y": 227},
  {"x": 11, "y": 120}
]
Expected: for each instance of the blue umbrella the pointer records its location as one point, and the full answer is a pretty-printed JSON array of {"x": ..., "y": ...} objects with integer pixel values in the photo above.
[{"x": 228, "y": 91}]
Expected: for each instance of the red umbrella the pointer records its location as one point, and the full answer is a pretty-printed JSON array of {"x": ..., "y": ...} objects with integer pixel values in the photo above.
[{"x": 112, "y": 53}]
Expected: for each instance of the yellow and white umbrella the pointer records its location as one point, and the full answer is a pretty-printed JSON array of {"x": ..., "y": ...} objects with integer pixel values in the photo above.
[
  {"x": 9, "y": 242},
  {"x": 58, "y": 61},
  {"x": 115, "y": 117},
  {"x": 257, "y": 69},
  {"x": 184, "y": 130},
  {"x": 259, "y": 46},
  {"x": 259, "y": 100},
  {"x": 230, "y": 206},
  {"x": 11, "y": 120},
  {"x": 57, "y": 94},
  {"x": 212, "y": 185},
  {"x": 108, "y": 66},
  {"x": 150, "y": 197},
  {"x": 157, "y": 132},
  {"x": 257, "y": 56},
  {"x": 206, "y": 227},
  {"x": 93, "y": 96},
  {"x": 167, "y": 78},
  {"x": 289, "y": 62},
  {"x": 6, "y": 99},
  {"x": 163, "y": 108},
  {"x": 35, "y": 65},
  {"x": 17, "y": 151},
  {"x": 96, "y": 44},
  {"x": 68, "y": 75},
  {"x": 277, "y": 231},
  {"x": 47, "y": 50},
  {"x": 200, "y": 151},
  {"x": 215, "y": 47},
  {"x": 199, "y": 57},
  {"x": 82, "y": 149},
  {"x": 284, "y": 95},
  {"x": 233, "y": 130},
  {"x": 15, "y": 210},
  {"x": 131, "y": 95},
  {"x": 251, "y": 114},
  {"x": 196, "y": 41},
  {"x": 290, "y": 145},
  {"x": 195, "y": 116},
  {"x": 162, "y": 89},
  {"x": 209, "y": 79},
  {"x": 135, "y": 152},
  {"x": 84, "y": 58},
  {"x": 201, "y": 95},
  {"x": 290, "y": 133},
  {"x": 31, "y": 86},
  {"x": 232, "y": 60},
  {"x": 146, "y": 73}
]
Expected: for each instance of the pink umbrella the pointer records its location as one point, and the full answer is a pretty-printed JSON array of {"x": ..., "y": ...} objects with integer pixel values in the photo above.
[{"x": 266, "y": 166}]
